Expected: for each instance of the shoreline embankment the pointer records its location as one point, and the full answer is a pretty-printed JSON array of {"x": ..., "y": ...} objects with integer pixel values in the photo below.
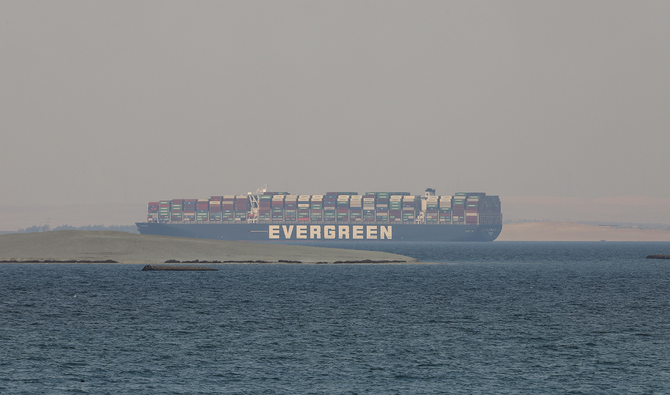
[{"x": 76, "y": 246}]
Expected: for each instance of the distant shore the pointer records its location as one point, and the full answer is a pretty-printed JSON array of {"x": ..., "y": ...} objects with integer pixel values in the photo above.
[
  {"x": 572, "y": 231},
  {"x": 121, "y": 247}
]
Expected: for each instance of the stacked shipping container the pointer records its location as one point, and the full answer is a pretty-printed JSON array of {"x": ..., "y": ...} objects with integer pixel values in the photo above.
[
  {"x": 458, "y": 208},
  {"x": 152, "y": 212},
  {"x": 215, "y": 206},
  {"x": 444, "y": 209},
  {"x": 164, "y": 211},
  {"x": 432, "y": 209},
  {"x": 189, "y": 209},
  {"x": 316, "y": 208},
  {"x": 342, "y": 207}
]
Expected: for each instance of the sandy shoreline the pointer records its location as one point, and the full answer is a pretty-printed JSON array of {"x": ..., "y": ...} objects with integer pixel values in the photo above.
[
  {"x": 572, "y": 231},
  {"x": 123, "y": 247}
]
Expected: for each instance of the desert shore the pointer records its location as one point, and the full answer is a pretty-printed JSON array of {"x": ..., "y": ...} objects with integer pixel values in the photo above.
[
  {"x": 124, "y": 247},
  {"x": 572, "y": 231}
]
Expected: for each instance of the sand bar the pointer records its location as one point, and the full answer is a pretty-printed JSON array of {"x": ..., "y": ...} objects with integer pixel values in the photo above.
[{"x": 125, "y": 247}]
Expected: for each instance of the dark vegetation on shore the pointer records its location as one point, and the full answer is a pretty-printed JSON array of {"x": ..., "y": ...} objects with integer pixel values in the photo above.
[{"x": 178, "y": 268}]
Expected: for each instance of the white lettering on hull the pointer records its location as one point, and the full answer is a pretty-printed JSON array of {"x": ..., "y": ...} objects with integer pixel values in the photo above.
[
  {"x": 386, "y": 232},
  {"x": 343, "y": 232},
  {"x": 331, "y": 232}
]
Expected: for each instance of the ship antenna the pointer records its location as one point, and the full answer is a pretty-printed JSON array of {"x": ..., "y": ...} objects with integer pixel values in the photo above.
[{"x": 261, "y": 191}]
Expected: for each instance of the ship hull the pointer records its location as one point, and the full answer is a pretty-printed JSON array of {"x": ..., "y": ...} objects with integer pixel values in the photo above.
[{"x": 263, "y": 232}]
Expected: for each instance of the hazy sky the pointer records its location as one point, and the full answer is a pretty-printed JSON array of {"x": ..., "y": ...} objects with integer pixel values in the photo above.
[{"x": 131, "y": 101}]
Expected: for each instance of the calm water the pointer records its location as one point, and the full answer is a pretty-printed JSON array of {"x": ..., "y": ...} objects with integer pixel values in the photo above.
[{"x": 503, "y": 317}]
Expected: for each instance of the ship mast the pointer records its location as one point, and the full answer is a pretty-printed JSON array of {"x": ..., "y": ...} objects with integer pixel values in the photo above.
[{"x": 253, "y": 201}]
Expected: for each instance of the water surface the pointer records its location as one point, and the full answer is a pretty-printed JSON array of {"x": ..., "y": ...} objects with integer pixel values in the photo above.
[{"x": 503, "y": 317}]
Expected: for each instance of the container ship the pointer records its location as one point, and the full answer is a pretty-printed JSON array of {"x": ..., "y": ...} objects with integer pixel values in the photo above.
[{"x": 335, "y": 216}]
